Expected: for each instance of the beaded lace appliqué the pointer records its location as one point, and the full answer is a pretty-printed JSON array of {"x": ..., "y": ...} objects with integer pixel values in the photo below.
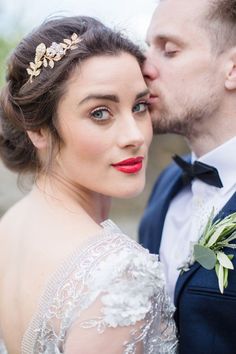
[{"x": 130, "y": 285}]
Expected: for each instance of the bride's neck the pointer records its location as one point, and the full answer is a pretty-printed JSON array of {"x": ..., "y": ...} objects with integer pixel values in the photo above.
[{"x": 65, "y": 195}]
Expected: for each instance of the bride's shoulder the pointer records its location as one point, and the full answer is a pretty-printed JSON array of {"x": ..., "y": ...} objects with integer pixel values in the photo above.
[
  {"x": 14, "y": 212},
  {"x": 12, "y": 218},
  {"x": 10, "y": 231}
]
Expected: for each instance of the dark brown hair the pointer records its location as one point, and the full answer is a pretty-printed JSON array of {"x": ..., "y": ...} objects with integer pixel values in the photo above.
[{"x": 31, "y": 106}]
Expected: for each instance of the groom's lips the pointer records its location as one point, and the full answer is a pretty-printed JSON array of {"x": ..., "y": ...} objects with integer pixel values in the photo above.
[
  {"x": 153, "y": 99},
  {"x": 132, "y": 165}
]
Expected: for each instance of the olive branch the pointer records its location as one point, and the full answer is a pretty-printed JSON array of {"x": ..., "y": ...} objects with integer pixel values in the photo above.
[{"x": 209, "y": 251}]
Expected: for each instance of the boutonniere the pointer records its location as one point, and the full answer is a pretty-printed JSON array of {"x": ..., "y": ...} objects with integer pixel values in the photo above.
[{"x": 209, "y": 251}]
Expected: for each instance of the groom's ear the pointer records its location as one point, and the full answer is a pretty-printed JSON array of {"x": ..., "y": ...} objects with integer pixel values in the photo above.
[{"x": 230, "y": 81}]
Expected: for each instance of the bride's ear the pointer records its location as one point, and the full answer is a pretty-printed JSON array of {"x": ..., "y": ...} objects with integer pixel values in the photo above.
[{"x": 39, "y": 138}]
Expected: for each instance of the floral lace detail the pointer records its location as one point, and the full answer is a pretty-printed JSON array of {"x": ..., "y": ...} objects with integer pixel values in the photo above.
[
  {"x": 129, "y": 284},
  {"x": 126, "y": 281}
]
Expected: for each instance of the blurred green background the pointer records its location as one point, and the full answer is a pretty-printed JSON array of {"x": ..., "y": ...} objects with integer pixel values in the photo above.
[
  {"x": 5, "y": 47},
  {"x": 126, "y": 213}
]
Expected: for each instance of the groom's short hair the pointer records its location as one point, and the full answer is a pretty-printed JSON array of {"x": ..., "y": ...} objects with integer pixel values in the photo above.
[{"x": 221, "y": 22}]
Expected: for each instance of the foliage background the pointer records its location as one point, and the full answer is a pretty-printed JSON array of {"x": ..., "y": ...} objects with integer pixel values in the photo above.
[{"x": 5, "y": 48}]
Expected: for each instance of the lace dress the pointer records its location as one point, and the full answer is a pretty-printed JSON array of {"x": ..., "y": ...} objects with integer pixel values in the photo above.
[{"x": 110, "y": 295}]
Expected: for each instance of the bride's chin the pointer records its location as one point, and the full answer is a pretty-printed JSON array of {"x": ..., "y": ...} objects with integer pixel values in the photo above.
[{"x": 132, "y": 192}]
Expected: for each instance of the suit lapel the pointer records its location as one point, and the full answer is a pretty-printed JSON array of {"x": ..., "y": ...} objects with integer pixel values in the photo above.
[{"x": 230, "y": 207}]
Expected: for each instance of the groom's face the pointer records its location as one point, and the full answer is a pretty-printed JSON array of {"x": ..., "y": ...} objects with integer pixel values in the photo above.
[{"x": 182, "y": 70}]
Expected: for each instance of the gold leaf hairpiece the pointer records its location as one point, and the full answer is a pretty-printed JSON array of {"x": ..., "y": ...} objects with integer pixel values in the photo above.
[{"x": 45, "y": 57}]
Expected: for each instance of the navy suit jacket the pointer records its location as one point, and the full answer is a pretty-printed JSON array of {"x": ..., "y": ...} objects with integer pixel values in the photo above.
[{"x": 205, "y": 318}]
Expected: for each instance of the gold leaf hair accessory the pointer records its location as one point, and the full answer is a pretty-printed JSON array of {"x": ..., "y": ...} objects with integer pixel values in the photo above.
[{"x": 48, "y": 56}]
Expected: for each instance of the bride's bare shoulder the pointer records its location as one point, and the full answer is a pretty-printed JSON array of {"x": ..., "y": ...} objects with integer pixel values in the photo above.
[{"x": 13, "y": 216}]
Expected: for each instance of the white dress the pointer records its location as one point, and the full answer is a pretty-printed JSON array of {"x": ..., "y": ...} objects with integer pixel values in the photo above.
[{"x": 110, "y": 292}]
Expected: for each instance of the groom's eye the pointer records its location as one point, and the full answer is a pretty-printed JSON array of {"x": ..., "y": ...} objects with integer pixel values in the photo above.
[{"x": 170, "y": 49}]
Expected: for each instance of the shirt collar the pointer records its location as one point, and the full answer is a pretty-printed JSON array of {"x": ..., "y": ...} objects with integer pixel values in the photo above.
[{"x": 224, "y": 159}]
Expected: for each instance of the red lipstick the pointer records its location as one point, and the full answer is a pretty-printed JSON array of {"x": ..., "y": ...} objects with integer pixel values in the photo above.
[{"x": 132, "y": 165}]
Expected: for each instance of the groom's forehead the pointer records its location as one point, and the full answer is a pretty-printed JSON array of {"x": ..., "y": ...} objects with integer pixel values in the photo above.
[
  {"x": 178, "y": 10},
  {"x": 172, "y": 19}
]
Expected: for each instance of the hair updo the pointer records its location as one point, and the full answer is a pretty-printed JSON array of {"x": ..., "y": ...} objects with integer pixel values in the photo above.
[{"x": 29, "y": 106}]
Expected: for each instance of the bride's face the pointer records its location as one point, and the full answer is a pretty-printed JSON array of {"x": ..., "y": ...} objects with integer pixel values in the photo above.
[{"x": 103, "y": 121}]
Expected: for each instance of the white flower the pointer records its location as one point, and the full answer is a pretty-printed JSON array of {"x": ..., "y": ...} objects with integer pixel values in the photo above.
[
  {"x": 55, "y": 49},
  {"x": 127, "y": 282}
]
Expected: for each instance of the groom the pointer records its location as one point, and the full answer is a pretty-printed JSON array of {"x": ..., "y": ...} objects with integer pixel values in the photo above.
[{"x": 191, "y": 73}]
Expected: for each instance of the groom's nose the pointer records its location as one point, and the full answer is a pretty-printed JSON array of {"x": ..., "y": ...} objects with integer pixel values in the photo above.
[{"x": 150, "y": 71}]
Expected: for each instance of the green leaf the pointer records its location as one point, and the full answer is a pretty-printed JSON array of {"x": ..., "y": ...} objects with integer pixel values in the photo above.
[
  {"x": 207, "y": 229},
  {"x": 226, "y": 272},
  {"x": 217, "y": 269},
  {"x": 205, "y": 256},
  {"x": 232, "y": 246},
  {"x": 224, "y": 260},
  {"x": 221, "y": 278},
  {"x": 215, "y": 236},
  {"x": 231, "y": 237}
]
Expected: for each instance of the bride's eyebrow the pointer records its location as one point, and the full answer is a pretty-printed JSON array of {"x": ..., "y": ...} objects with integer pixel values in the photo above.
[
  {"x": 142, "y": 94},
  {"x": 112, "y": 98}
]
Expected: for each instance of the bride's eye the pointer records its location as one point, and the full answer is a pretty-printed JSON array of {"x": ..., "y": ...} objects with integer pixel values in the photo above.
[
  {"x": 140, "y": 107},
  {"x": 100, "y": 114}
]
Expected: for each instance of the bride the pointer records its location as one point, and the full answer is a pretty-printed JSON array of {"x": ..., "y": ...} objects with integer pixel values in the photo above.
[{"x": 74, "y": 113}]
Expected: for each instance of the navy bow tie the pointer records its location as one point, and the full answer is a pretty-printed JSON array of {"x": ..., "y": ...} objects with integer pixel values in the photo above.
[{"x": 200, "y": 170}]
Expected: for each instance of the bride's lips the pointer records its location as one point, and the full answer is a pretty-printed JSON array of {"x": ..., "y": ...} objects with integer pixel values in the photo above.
[{"x": 131, "y": 165}]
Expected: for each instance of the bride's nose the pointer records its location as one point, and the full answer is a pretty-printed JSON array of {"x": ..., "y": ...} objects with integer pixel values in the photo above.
[{"x": 130, "y": 133}]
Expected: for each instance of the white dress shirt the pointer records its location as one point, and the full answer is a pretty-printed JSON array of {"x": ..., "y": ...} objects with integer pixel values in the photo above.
[{"x": 190, "y": 209}]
